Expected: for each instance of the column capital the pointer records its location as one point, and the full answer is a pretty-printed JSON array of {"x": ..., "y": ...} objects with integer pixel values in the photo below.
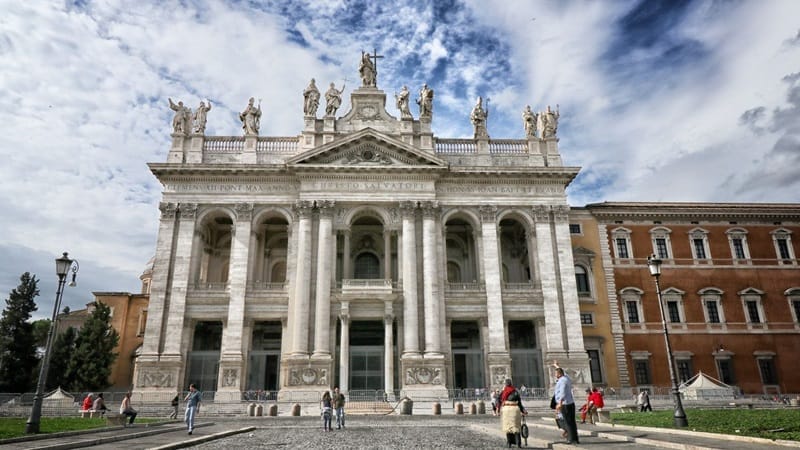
[
  {"x": 325, "y": 207},
  {"x": 244, "y": 211},
  {"x": 304, "y": 208},
  {"x": 388, "y": 320},
  {"x": 345, "y": 319},
  {"x": 488, "y": 213},
  {"x": 541, "y": 213},
  {"x": 561, "y": 213},
  {"x": 188, "y": 210},
  {"x": 408, "y": 208},
  {"x": 168, "y": 210},
  {"x": 430, "y": 209}
]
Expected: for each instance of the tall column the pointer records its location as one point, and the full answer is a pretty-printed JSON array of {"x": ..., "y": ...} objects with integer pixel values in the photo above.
[
  {"x": 346, "y": 255},
  {"x": 180, "y": 282},
  {"x": 158, "y": 289},
  {"x": 323, "y": 300},
  {"x": 569, "y": 289},
  {"x": 431, "y": 270},
  {"x": 237, "y": 280},
  {"x": 554, "y": 325},
  {"x": 494, "y": 293},
  {"x": 388, "y": 352},
  {"x": 410, "y": 306},
  {"x": 197, "y": 256},
  {"x": 344, "y": 352},
  {"x": 387, "y": 254},
  {"x": 301, "y": 301}
]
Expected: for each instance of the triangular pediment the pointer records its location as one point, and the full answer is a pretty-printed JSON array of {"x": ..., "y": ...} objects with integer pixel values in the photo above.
[{"x": 367, "y": 148}]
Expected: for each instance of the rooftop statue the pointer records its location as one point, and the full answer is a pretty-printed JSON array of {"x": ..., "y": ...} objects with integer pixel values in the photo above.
[
  {"x": 548, "y": 122},
  {"x": 200, "y": 116},
  {"x": 311, "y": 99},
  {"x": 333, "y": 99},
  {"x": 367, "y": 71},
  {"x": 180, "y": 121},
  {"x": 529, "y": 121},
  {"x": 425, "y": 102},
  {"x": 251, "y": 118},
  {"x": 478, "y": 118},
  {"x": 402, "y": 103}
]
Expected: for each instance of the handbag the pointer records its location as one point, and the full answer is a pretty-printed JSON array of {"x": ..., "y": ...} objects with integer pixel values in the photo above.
[{"x": 553, "y": 402}]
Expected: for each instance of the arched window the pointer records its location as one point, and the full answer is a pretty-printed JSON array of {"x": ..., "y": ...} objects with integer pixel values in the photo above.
[{"x": 367, "y": 267}]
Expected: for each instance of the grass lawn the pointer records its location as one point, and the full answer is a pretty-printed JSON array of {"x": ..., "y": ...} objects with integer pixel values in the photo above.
[
  {"x": 763, "y": 423},
  {"x": 11, "y": 427}
]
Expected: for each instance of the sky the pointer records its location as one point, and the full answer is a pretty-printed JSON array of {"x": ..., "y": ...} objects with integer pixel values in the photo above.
[{"x": 668, "y": 100}]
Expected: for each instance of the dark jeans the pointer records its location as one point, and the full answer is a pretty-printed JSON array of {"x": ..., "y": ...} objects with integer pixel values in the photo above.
[
  {"x": 569, "y": 422},
  {"x": 131, "y": 414},
  {"x": 646, "y": 407}
]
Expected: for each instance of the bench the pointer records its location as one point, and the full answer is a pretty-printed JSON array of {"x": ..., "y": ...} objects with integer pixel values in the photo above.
[
  {"x": 87, "y": 413},
  {"x": 748, "y": 405},
  {"x": 627, "y": 408},
  {"x": 116, "y": 419},
  {"x": 603, "y": 415}
]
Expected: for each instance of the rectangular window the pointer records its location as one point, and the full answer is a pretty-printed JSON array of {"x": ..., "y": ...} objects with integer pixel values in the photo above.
[
  {"x": 796, "y": 305},
  {"x": 713, "y": 312},
  {"x": 633, "y": 311},
  {"x": 738, "y": 248},
  {"x": 622, "y": 248},
  {"x": 725, "y": 369},
  {"x": 699, "y": 248},
  {"x": 684, "y": 369},
  {"x": 594, "y": 366},
  {"x": 575, "y": 228},
  {"x": 752, "y": 311},
  {"x": 661, "y": 248},
  {"x": 641, "y": 370},
  {"x": 674, "y": 312},
  {"x": 587, "y": 319},
  {"x": 767, "y": 369},
  {"x": 783, "y": 249}
]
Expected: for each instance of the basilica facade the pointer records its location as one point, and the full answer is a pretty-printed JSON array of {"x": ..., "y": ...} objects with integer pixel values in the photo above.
[{"x": 366, "y": 253}]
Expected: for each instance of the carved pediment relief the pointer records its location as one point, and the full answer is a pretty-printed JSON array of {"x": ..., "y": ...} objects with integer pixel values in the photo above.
[{"x": 367, "y": 148}]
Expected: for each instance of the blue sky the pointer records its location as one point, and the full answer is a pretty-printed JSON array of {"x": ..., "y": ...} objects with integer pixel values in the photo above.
[{"x": 659, "y": 100}]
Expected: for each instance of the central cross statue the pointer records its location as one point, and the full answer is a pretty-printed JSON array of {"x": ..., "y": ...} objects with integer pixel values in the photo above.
[{"x": 368, "y": 68}]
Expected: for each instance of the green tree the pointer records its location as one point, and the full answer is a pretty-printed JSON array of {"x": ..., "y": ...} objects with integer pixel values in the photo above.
[
  {"x": 40, "y": 329},
  {"x": 60, "y": 355},
  {"x": 90, "y": 365},
  {"x": 18, "y": 358}
]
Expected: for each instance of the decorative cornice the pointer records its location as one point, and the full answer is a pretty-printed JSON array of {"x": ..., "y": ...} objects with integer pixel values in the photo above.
[{"x": 609, "y": 211}]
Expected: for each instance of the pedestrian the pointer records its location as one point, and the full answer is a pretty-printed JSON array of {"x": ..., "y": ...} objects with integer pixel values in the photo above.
[
  {"x": 176, "y": 401},
  {"x": 327, "y": 410},
  {"x": 644, "y": 402},
  {"x": 127, "y": 410},
  {"x": 565, "y": 404},
  {"x": 495, "y": 401},
  {"x": 338, "y": 404},
  {"x": 192, "y": 406},
  {"x": 585, "y": 408},
  {"x": 511, "y": 412},
  {"x": 100, "y": 405},
  {"x": 88, "y": 402},
  {"x": 596, "y": 402}
]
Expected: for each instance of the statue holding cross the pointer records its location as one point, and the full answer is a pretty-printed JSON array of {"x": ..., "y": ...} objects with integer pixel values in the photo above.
[{"x": 368, "y": 68}]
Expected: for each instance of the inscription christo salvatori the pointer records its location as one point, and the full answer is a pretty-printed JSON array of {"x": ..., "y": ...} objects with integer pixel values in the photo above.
[
  {"x": 498, "y": 189},
  {"x": 392, "y": 186},
  {"x": 216, "y": 187}
]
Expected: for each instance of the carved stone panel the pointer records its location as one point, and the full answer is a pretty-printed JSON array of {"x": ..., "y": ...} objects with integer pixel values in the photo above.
[
  {"x": 423, "y": 375},
  {"x": 156, "y": 378},
  {"x": 308, "y": 376}
]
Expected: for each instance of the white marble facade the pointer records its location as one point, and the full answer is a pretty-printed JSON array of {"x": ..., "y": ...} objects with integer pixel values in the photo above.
[{"x": 366, "y": 253}]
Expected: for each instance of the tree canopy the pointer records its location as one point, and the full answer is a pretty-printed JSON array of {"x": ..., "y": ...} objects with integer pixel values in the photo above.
[
  {"x": 18, "y": 359},
  {"x": 90, "y": 365}
]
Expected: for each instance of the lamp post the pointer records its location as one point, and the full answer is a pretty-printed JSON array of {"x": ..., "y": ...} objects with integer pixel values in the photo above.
[
  {"x": 63, "y": 266},
  {"x": 654, "y": 264}
]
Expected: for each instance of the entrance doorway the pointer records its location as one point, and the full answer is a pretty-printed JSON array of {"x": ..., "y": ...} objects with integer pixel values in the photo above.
[
  {"x": 467, "y": 355},
  {"x": 265, "y": 355},
  {"x": 366, "y": 355}
]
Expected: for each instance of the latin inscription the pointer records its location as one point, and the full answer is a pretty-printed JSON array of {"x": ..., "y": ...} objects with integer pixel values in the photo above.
[
  {"x": 392, "y": 186},
  {"x": 224, "y": 188},
  {"x": 467, "y": 189}
]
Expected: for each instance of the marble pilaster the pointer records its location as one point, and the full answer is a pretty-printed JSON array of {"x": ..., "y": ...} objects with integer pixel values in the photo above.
[
  {"x": 430, "y": 269},
  {"x": 180, "y": 282},
  {"x": 300, "y": 303},
  {"x": 410, "y": 305},
  {"x": 554, "y": 323},
  {"x": 323, "y": 291}
]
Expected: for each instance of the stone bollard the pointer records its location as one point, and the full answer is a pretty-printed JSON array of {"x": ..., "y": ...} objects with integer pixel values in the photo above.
[
  {"x": 459, "y": 408},
  {"x": 296, "y": 409},
  {"x": 273, "y": 410},
  {"x": 473, "y": 409},
  {"x": 437, "y": 409},
  {"x": 259, "y": 410},
  {"x": 481, "y": 407},
  {"x": 406, "y": 407},
  {"x": 251, "y": 409}
]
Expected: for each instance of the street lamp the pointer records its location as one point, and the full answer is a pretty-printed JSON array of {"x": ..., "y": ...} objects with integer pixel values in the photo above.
[
  {"x": 63, "y": 266},
  {"x": 654, "y": 264}
]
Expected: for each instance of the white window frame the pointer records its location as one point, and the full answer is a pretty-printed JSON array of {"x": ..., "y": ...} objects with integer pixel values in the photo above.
[
  {"x": 584, "y": 258},
  {"x": 672, "y": 294},
  {"x": 632, "y": 294},
  {"x": 753, "y": 294},
  {"x": 793, "y": 295},
  {"x": 661, "y": 233},
  {"x": 699, "y": 233},
  {"x": 767, "y": 355},
  {"x": 642, "y": 355},
  {"x": 591, "y": 315},
  {"x": 741, "y": 234},
  {"x": 622, "y": 233},
  {"x": 712, "y": 294},
  {"x": 783, "y": 233},
  {"x": 683, "y": 356},
  {"x": 720, "y": 354}
]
